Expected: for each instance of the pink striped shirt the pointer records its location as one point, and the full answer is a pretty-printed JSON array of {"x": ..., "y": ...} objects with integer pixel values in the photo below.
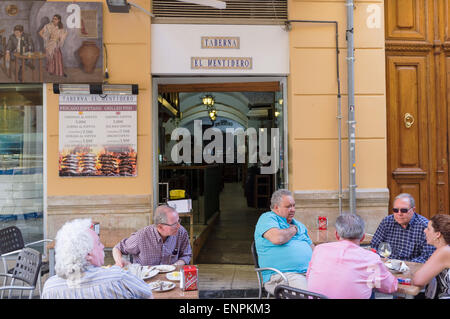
[{"x": 344, "y": 270}]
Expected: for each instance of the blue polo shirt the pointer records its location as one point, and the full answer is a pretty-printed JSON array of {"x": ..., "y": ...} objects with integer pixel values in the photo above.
[{"x": 293, "y": 256}]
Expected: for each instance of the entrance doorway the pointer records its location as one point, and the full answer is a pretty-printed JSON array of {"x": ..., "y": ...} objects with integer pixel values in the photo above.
[{"x": 221, "y": 144}]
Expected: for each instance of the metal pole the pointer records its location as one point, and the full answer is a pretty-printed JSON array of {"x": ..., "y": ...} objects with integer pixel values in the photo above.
[
  {"x": 339, "y": 115},
  {"x": 351, "y": 108}
]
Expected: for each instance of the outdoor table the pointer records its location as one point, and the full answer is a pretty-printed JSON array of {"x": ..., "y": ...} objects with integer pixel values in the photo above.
[
  {"x": 328, "y": 235},
  {"x": 175, "y": 293},
  {"x": 408, "y": 291},
  {"x": 108, "y": 237},
  {"x": 33, "y": 56}
]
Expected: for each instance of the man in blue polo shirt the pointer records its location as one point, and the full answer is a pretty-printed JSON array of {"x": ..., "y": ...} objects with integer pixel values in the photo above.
[
  {"x": 283, "y": 243},
  {"x": 403, "y": 230}
]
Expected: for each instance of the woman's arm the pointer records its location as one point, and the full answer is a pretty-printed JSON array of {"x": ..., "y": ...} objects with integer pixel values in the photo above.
[{"x": 434, "y": 265}]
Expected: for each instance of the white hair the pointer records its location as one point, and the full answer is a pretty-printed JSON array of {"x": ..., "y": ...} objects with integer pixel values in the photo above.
[
  {"x": 160, "y": 215},
  {"x": 73, "y": 244},
  {"x": 277, "y": 197}
]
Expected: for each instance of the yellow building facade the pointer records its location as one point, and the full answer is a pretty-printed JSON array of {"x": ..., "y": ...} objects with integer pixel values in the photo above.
[{"x": 312, "y": 119}]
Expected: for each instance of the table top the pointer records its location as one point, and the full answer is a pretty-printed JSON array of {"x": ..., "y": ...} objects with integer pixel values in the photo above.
[
  {"x": 175, "y": 293},
  {"x": 408, "y": 289},
  {"x": 328, "y": 235},
  {"x": 108, "y": 237},
  {"x": 30, "y": 55}
]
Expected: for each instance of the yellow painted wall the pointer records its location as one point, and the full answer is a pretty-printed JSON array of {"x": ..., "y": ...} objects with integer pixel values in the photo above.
[
  {"x": 127, "y": 39},
  {"x": 313, "y": 102}
]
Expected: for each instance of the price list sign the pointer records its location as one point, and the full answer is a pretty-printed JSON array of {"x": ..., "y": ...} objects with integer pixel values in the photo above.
[{"x": 97, "y": 135}]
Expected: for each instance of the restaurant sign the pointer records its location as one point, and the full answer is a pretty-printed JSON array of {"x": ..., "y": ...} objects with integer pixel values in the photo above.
[
  {"x": 220, "y": 42},
  {"x": 235, "y": 63},
  {"x": 97, "y": 135},
  {"x": 221, "y": 63},
  {"x": 196, "y": 49}
]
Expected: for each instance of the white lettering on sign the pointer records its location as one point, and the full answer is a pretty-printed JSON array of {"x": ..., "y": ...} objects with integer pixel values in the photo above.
[
  {"x": 73, "y": 20},
  {"x": 241, "y": 63},
  {"x": 374, "y": 19},
  {"x": 220, "y": 42}
]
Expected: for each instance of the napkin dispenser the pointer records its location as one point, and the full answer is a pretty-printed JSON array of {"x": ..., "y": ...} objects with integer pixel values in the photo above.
[{"x": 189, "y": 278}]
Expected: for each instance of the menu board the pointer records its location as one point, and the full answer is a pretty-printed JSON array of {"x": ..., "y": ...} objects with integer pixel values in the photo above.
[{"x": 97, "y": 135}]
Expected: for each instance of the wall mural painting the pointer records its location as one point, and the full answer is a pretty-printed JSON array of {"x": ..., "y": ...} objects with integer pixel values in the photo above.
[{"x": 51, "y": 42}]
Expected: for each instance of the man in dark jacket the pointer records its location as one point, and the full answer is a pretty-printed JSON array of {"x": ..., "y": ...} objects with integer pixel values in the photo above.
[{"x": 19, "y": 42}]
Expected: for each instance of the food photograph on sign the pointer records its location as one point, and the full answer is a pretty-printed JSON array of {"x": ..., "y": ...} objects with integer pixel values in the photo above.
[
  {"x": 51, "y": 42},
  {"x": 97, "y": 135}
]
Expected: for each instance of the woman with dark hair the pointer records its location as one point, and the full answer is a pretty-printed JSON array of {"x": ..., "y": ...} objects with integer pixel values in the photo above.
[
  {"x": 54, "y": 36},
  {"x": 435, "y": 271}
]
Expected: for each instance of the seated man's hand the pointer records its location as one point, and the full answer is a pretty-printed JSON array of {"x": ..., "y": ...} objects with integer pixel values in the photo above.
[{"x": 122, "y": 263}]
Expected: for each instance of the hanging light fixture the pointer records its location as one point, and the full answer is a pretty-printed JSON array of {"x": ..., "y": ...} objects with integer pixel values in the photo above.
[{"x": 208, "y": 101}]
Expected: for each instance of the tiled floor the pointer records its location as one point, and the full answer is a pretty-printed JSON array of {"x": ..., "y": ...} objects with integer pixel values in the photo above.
[
  {"x": 225, "y": 262},
  {"x": 227, "y": 281},
  {"x": 231, "y": 238}
]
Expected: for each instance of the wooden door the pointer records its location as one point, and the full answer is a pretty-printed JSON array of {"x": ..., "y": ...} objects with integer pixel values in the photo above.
[{"x": 417, "y": 80}]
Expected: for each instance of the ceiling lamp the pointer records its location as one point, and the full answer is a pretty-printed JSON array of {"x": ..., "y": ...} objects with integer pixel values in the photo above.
[
  {"x": 208, "y": 101},
  {"x": 212, "y": 114}
]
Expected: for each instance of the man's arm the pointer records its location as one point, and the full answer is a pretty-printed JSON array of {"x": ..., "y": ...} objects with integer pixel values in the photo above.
[
  {"x": 280, "y": 236},
  {"x": 127, "y": 246},
  {"x": 185, "y": 254},
  {"x": 117, "y": 255}
]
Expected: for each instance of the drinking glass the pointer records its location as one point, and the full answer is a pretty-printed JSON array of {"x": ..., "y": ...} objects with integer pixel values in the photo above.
[{"x": 384, "y": 249}]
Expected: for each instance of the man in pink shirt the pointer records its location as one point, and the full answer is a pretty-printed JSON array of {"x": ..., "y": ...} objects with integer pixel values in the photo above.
[{"x": 344, "y": 270}]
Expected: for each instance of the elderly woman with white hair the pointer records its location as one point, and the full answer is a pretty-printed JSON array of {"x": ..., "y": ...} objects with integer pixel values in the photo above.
[{"x": 79, "y": 256}]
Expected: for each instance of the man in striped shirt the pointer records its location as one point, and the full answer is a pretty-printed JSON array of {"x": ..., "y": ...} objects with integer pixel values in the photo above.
[
  {"x": 403, "y": 230},
  {"x": 79, "y": 275}
]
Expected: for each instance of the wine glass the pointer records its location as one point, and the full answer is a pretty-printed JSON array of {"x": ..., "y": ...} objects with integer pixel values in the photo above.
[{"x": 384, "y": 249}]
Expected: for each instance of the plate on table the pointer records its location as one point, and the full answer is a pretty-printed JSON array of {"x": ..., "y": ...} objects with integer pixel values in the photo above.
[
  {"x": 174, "y": 275},
  {"x": 149, "y": 273},
  {"x": 161, "y": 286},
  {"x": 165, "y": 268},
  {"x": 402, "y": 269}
]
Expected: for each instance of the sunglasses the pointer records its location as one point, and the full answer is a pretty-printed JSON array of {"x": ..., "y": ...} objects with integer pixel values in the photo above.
[{"x": 401, "y": 210}]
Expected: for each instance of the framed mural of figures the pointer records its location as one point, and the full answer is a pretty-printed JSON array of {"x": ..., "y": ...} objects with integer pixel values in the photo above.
[{"x": 51, "y": 42}]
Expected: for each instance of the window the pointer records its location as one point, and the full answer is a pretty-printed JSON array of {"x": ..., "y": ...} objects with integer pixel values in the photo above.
[{"x": 21, "y": 159}]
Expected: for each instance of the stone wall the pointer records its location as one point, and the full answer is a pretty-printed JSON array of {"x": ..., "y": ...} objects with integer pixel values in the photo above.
[
  {"x": 111, "y": 211},
  {"x": 371, "y": 204}
]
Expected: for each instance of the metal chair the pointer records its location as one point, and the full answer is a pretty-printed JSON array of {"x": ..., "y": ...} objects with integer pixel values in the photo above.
[
  {"x": 260, "y": 270},
  {"x": 287, "y": 292},
  {"x": 26, "y": 270},
  {"x": 11, "y": 243}
]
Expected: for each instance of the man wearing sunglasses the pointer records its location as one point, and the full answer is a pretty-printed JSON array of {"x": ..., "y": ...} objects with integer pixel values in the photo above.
[
  {"x": 165, "y": 242},
  {"x": 403, "y": 230}
]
